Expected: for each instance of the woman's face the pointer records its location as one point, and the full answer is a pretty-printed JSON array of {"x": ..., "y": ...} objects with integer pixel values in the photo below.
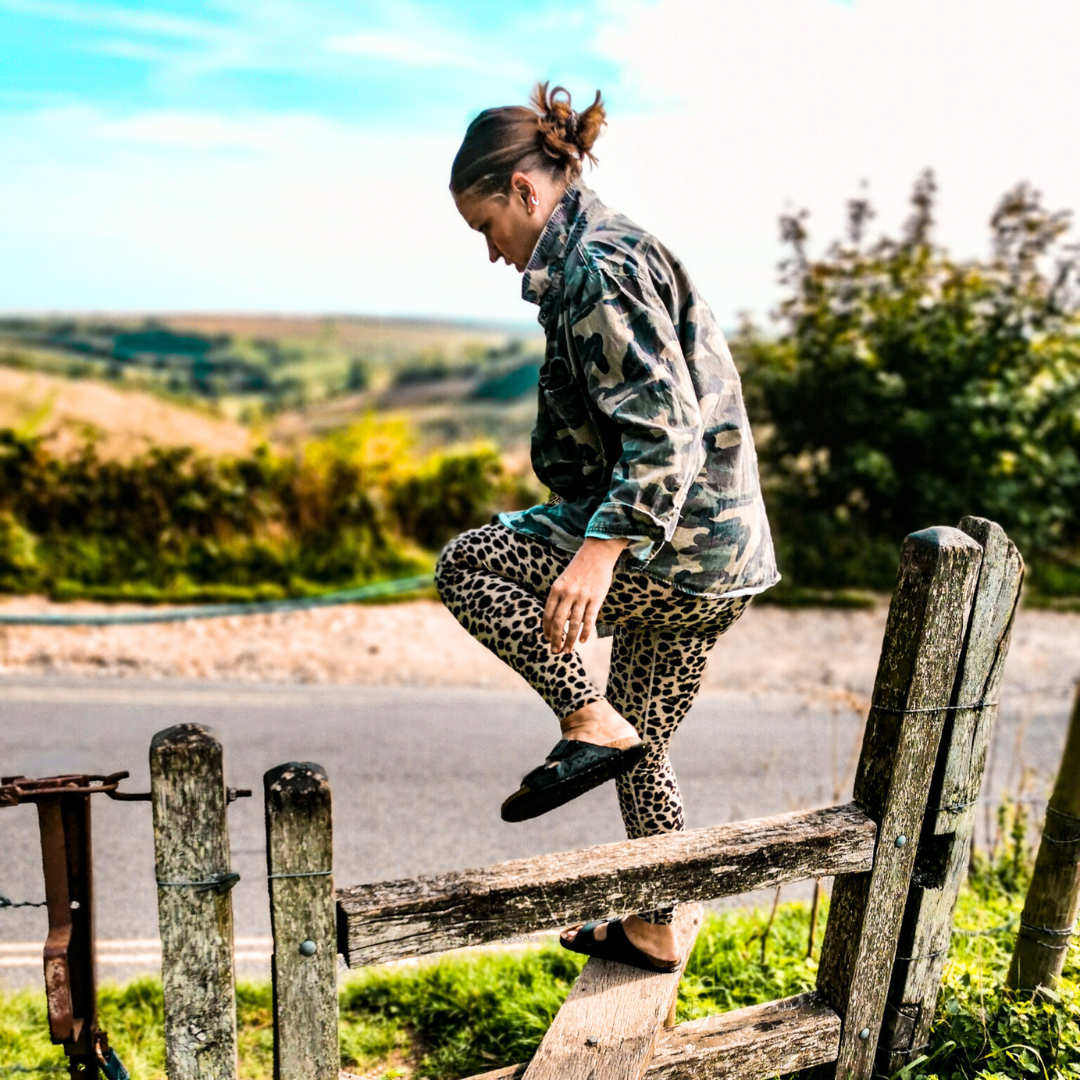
[{"x": 511, "y": 223}]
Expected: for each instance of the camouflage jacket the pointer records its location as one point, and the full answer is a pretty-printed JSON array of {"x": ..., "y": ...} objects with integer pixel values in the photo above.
[{"x": 641, "y": 429}]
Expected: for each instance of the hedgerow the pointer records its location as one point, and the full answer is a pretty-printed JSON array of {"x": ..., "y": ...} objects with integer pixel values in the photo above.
[{"x": 174, "y": 524}]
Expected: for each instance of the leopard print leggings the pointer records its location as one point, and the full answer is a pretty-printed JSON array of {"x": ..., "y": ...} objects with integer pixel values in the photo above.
[{"x": 496, "y": 581}]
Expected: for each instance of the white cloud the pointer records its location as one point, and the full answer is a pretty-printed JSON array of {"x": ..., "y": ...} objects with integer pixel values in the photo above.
[
  {"x": 172, "y": 211},
  {"x": 791, "y": 103},
  {"x": 413, "y": 51},
  {"x": 154, "y": 23},
  {"x": 725, "y": 114}
]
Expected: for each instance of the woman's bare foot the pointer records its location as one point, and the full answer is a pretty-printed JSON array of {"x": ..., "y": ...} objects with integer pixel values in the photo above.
[
  {"x": 658, "y": 941},
  {"x": 597, "y": 723}
]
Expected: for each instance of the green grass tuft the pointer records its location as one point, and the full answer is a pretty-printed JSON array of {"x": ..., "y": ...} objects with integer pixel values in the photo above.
[{"x": 466, "y": 1014}]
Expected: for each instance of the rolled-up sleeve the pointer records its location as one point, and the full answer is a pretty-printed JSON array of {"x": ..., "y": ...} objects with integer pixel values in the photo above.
[{"x": 637, "y": 376}]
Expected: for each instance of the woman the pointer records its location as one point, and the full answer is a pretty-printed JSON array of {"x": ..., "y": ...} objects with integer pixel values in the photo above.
[{"x": 656, "y": 526}]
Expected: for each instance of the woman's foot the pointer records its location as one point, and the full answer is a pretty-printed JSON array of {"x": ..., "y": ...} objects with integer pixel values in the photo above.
[
  {"x": 598, "y": 723},
  {"x": 658, "y": 941}
]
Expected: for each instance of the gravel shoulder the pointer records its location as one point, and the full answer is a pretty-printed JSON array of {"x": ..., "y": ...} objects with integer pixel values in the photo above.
[{"x": 823, "y": 653}]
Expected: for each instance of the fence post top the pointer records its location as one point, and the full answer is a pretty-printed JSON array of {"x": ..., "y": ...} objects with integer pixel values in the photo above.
[
  {"x": 184, "y": 736},
  {"x": 942, "y": 537},
  {"x": 296, "y": 781}
]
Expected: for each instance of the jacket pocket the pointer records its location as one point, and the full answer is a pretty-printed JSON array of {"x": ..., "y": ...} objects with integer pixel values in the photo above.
[{"x": 556, "y": 376}]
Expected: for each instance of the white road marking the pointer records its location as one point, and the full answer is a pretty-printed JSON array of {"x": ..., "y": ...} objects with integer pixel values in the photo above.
[{"x": 132, "y": 951}]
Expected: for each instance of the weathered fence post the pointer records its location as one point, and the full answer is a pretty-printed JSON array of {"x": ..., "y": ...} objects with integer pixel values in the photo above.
[
  {"x": 919, "y": 658},
  {"x": 191, "y": 852},
  {"x": 942, "y": 859},
  {"x": 1048, "y": 921},
  {"x": 299, "y": 858}
]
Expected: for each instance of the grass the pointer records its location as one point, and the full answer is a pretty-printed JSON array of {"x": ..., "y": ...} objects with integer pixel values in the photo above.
[{"x": 466, "y": 1014}]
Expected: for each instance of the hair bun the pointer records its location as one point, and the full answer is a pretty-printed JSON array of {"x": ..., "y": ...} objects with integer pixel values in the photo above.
[{"x": 567, "y": 134}]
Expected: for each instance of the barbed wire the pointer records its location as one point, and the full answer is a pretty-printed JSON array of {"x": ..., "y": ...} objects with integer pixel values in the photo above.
[{"x": 5, "y": 902}]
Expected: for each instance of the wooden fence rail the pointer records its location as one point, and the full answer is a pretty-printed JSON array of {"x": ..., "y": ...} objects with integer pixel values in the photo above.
[
  {"x": 397, "y": 919},
  {"x": 896, "y": 853}
]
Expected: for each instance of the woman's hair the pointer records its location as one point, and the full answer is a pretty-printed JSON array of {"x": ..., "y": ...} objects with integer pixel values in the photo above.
[{"x": 547, "y": 135}]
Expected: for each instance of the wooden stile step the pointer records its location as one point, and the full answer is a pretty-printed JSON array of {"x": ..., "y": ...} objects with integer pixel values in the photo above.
[
  {"x": 754, "y": 1043},
  {"x": 608, "y": 1025}
]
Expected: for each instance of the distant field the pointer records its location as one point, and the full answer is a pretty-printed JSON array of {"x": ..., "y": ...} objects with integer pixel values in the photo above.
[
  {"x": 125, "y": 422},
  {"x": 400, "y": 337},
  {"x": 292, "y": 377}
]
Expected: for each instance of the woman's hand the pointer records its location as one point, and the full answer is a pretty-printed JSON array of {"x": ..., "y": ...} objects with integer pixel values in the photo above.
[{"x": 578, "y": 592}]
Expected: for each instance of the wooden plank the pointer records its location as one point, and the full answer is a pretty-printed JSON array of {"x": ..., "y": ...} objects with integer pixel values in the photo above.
[
  {"x": 942, "y": 859},
  {"x": 1053, "y": 898},
  {"x": 299, "y": 854},
  {"x": 608, "y": 1026},
  {"x": 924, "y": 636},
  {"x": 191, "y": 846},
  {"x": 760, "y": 1041},
  {"x": 746, "y": 1044},
  {"x": 398, "y": 919}
]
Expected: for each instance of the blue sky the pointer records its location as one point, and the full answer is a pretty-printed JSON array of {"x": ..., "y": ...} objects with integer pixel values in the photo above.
[
  {"x": 293, "y": 156},
  {"x": 423, "y": 65}
]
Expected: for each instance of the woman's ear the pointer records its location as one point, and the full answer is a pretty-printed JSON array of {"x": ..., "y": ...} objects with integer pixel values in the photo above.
[{"x": 521, "y": 184}]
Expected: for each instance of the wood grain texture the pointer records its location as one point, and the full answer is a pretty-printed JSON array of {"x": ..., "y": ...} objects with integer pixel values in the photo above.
[
  {"x": 941, "y": 862},
  {"x": 1053, "y": 899},
  {"x": 299, "y": 840},
  {"x": 920, "y": 655},
  {"x": 608, "y": 1026},
  {"x": 760, "y": 1041},
  {"x": 191, "y": 843},
  {"x": 747, "y": 1044},
  {"x": 398, "y": 919}
]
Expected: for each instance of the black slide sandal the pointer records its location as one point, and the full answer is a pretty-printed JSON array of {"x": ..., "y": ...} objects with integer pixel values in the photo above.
[
  {"x": 616, "y": 947},
  {"x": 572, "y": 768}
]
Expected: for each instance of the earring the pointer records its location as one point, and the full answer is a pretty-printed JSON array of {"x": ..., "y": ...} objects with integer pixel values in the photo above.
[{"x": 535, "y": 200}]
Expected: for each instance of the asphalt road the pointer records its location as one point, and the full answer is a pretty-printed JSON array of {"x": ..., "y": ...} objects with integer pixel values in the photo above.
[{"x": 417, "y": 779}]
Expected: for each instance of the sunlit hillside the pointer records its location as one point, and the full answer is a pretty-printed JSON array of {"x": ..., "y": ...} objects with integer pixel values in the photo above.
[
  {"x": 125, "y": 422},
  {"x": 291, "y": 377}
]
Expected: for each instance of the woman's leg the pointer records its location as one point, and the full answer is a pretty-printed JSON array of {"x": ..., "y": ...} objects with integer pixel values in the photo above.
[
  {"x": 655, "y": 676},
  {"x": 496, "y": 582}
]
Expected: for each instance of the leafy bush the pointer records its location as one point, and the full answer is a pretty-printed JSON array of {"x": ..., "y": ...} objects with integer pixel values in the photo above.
[
  {"x": 907, "y": 388},
  {"x": 172, "y": 524},
  {"x": 451, "y": 492}
]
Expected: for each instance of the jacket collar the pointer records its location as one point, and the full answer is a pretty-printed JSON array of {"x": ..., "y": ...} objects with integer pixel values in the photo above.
[{"x": 542, "y": 281}]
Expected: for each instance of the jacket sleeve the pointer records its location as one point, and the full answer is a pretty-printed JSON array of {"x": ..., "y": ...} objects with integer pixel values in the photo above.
[{"x": 637, "y": 376}]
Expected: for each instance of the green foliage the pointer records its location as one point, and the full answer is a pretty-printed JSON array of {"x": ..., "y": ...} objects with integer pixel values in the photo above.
[
  {"x": 451, "y": 492},
  {"x": 172, "y": 524},
  {"x": 467, "y": 1015},
  {"x": 907, "y": 389}
]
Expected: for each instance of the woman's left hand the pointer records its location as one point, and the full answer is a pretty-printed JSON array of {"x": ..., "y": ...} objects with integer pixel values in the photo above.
[{"x": 575, "y": 598}]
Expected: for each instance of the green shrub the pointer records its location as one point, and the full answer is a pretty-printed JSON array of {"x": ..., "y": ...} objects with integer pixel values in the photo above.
[
  {"x": 451, "y": 492},
  {"x": 172, "y": 524},
  {"x": 908, "y": 389}
]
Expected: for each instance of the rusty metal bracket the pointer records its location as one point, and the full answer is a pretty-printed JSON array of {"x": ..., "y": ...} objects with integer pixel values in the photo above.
[
  {"x": 20, "y": 789},
  {"x": 63, "y": 805}
]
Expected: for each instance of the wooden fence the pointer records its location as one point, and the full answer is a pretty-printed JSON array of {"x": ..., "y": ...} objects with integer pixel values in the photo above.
[{"x": 897, "y": 853}]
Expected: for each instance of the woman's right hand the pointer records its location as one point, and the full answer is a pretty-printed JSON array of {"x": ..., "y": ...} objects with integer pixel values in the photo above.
[{"x": 578, "y": 593}]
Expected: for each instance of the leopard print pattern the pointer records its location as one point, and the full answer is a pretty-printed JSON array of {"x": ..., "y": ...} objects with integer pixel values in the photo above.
[{"x": 495, "y": 582}]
